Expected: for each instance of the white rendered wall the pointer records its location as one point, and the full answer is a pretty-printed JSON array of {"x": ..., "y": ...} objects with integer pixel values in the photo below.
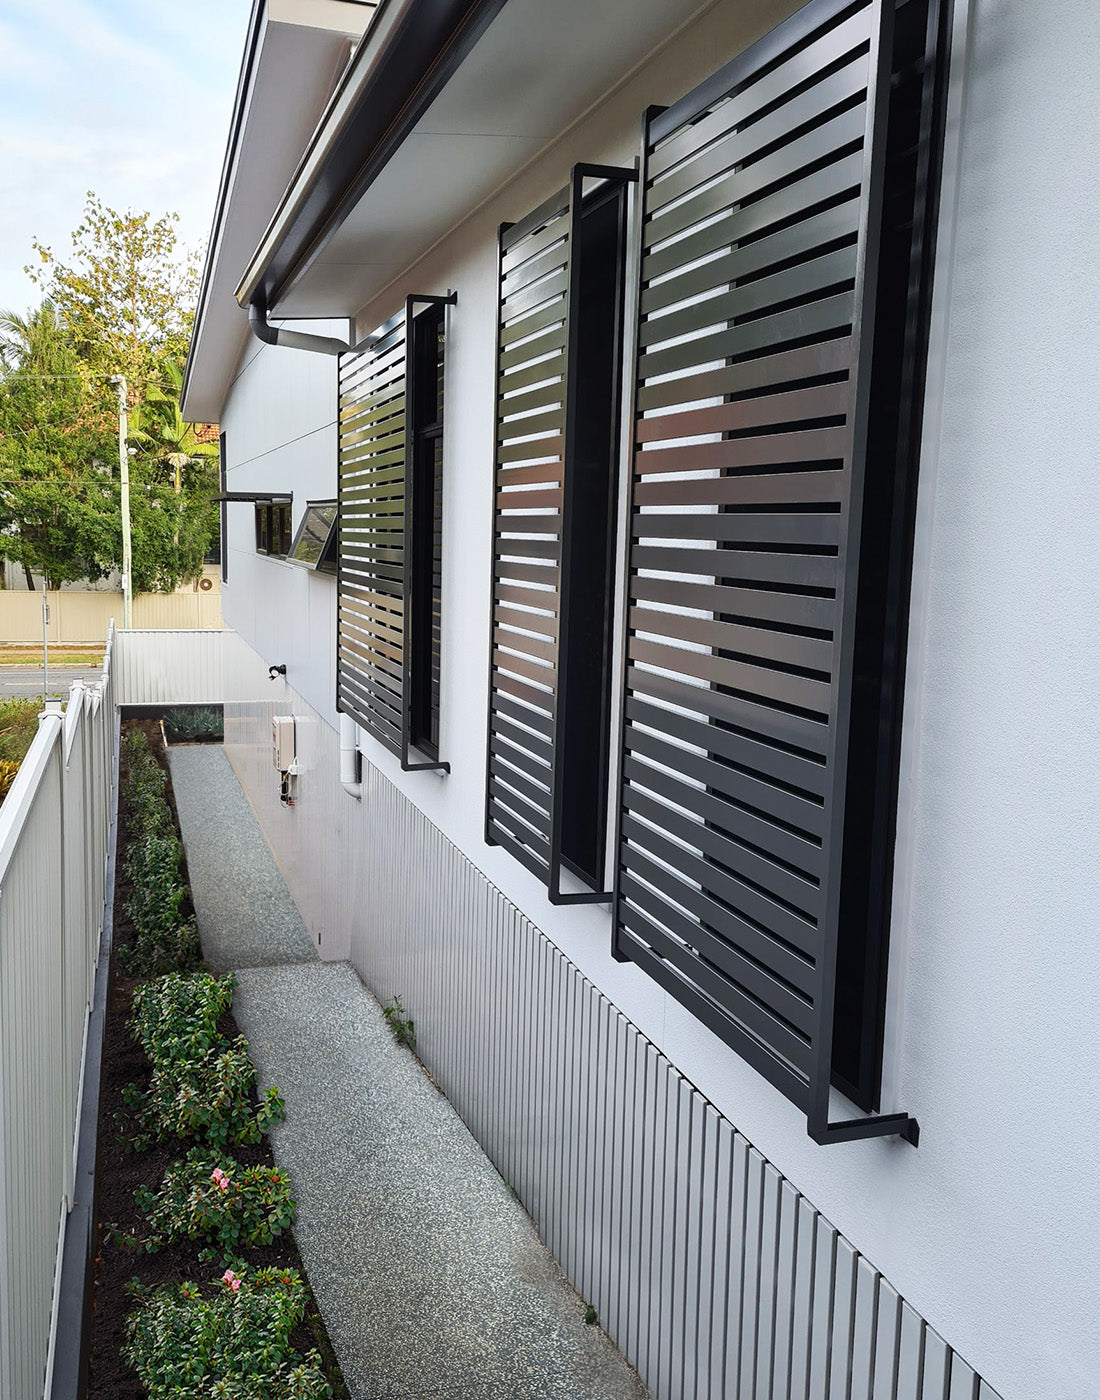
[{"x": 991, "y": 1229}]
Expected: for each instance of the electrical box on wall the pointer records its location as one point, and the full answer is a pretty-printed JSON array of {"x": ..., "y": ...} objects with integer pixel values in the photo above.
[{"x": 282, "y": 743}]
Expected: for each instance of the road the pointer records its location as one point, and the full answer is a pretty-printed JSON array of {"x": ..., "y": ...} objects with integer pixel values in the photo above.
[{"x": 26, "y": 681}]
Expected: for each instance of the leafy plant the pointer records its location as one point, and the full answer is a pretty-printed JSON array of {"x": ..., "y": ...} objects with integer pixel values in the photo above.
[
  {"x": 165, "y": 940},
  {"x": 193, "y": 724},
  {"x": 210, "y": 1097},
  {"x": 591, "y": 1317},
  {"x": 230, "y": 1341},
  {"x": 404, "y": 1030},
  {"x": 210, "y": 1197},
  {"x": 8, "y": 770},
  {"x": 176, "y": 1016},
  {"x": 202, "y": 1086}
]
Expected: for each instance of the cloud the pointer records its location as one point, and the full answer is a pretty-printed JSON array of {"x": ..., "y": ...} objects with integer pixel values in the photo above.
[{"x": 130, "y": 100}]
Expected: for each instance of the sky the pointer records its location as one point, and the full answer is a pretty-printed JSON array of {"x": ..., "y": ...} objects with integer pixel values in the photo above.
[{"x": 129, "y": 98}]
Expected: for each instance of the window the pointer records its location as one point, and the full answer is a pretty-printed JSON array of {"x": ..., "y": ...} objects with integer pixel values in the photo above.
[
  {"x": 315, "y": 544},
  {"x": 273, "y": 528},
  {"x": 558, "y": 423},
  {"x": 788, "y": 210},
  {"x": 390, "y": 533}
]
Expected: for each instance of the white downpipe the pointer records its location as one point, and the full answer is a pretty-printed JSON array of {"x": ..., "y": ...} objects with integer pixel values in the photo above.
[{"x": 349, "y": 748}]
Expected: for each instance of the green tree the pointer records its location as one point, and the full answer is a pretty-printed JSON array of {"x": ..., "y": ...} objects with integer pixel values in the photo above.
[
  {"x": 128, "y": 295},
  {"x": 59, "y": 511},
  {"x": 175, "y": 476}
]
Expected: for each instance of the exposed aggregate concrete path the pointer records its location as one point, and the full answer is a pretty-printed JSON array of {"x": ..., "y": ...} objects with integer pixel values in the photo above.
[{"x": 431, "y": 1278}]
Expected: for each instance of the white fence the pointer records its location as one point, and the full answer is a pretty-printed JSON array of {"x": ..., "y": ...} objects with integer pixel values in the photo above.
[
  {"x": 54, "y": 828},
  {"x": 170, "y": 667}
]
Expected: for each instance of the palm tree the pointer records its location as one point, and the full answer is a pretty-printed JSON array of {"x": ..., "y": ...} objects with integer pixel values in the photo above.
[{"x": 160, "y": 433}]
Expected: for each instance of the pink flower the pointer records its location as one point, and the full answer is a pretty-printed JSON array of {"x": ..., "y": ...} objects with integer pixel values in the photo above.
[
  {"x": 230, "y": 1279},
  {"x": 218, "y": 1176}
]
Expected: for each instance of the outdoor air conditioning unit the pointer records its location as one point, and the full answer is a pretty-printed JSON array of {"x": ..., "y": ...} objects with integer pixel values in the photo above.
[{"x": 285, "y": 755}]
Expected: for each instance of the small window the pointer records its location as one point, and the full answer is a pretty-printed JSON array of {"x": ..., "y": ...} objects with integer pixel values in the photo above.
[
  {"x": 273, "y": 528},
  {"x": 315, "y": 543}
]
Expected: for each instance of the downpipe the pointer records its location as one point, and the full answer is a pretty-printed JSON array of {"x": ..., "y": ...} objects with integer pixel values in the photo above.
[
  {"x": 296, "y": 340},
  {"x": 349, "y": 758}
]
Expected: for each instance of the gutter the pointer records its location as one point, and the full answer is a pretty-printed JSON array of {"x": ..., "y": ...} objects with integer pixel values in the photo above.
[{"x": 403, "y": 63}]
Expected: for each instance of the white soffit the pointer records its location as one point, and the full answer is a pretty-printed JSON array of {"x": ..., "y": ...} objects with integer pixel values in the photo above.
[
  {"x": 300, "y": 50},
  {"x": 537, "y": 68}
]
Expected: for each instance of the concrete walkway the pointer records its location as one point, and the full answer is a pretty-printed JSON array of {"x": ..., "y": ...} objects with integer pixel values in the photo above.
[{"x": 430, "y": 1276}]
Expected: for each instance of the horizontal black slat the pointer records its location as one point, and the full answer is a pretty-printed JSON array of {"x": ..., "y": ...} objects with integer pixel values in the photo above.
[
  {"x": 742, "y": 475},
  {"x": 370, "y": 640}
]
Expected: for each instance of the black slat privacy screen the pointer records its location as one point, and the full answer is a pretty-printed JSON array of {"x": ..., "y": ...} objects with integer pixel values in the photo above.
[
  {"x": 559, "y": 368},
  {"x": 745, "y": 745},
  {"x": 390, "y": 532}
]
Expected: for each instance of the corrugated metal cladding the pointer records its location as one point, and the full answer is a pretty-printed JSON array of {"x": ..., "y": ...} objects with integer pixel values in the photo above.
[
  {"x": 715, "y": 1277},
  {"x": 371, "y": 612},
  {"x": 158, "y": 667},
  {"x": 527, "y": 531},
  {"x": 750, "y": 392}
]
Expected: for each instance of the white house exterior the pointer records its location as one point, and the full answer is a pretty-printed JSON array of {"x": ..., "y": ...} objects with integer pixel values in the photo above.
[{"x": 641, "y": 1102}]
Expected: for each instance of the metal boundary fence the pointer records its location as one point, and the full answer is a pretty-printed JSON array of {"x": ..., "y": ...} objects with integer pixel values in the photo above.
[{"x": 54, "y": 835}]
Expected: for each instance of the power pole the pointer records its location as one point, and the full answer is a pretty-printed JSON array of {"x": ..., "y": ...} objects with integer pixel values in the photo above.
[{"x": 124, "y": 472}]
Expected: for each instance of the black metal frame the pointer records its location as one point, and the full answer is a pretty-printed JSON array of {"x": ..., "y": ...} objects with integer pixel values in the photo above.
[
  {"x": 414, "y": 656},
  {"x": 814, "y": 1091},
  {"x": 402, "y": 745},
  {"x": 574, "y": 316},
  {"x": 223, "y": 509},
  {"x": 569, "y": 203}
]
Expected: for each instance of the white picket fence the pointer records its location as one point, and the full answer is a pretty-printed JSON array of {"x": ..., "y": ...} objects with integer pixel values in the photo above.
[{"x": 54, "y": 827}]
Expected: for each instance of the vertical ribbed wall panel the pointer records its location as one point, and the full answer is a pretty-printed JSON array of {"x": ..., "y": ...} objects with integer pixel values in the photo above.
[
  {"x": 717, "y": 1279},
  {"x": 710, "y": 1271}
]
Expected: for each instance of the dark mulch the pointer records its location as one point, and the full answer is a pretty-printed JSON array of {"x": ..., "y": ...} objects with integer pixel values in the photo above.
[{"x": 119, "y": 1171}]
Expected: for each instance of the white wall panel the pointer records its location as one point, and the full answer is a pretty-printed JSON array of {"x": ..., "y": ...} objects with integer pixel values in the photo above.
[
  {"x": 992, "y": 1040},
  {"x": 705, "y": 1264}
]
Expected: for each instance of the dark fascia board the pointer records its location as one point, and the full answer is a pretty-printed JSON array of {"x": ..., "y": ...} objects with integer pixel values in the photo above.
[
  {"x": 429, "y": 44},
  {"x": 240, "y": 102},
  {"x": 274, "y": 498}
]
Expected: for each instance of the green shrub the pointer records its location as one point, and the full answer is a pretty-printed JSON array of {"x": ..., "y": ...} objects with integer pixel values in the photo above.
[
  {"x": 165, "y": 941},
  {"x": 202, "y": 1086},
  {"x": 231, "y": 1341},
  {"x": 176, "y": 1016},
  {"x": 209, "y": 1097},
  {"x": 198, "y": 724},
  {"x": 209, "y": 1197}
]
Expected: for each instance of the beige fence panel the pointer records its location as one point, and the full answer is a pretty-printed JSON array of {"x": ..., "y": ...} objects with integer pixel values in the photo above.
[{"x": 83, "y": 617}]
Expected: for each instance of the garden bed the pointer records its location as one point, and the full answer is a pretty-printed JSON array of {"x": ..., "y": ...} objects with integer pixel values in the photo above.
[
  {"x": 122, "y": 1169},
  {"x": 193, "y": 724}
]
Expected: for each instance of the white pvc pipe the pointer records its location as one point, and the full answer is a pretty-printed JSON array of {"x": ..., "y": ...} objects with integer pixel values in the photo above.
[{"x": 349, "y": 746}]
